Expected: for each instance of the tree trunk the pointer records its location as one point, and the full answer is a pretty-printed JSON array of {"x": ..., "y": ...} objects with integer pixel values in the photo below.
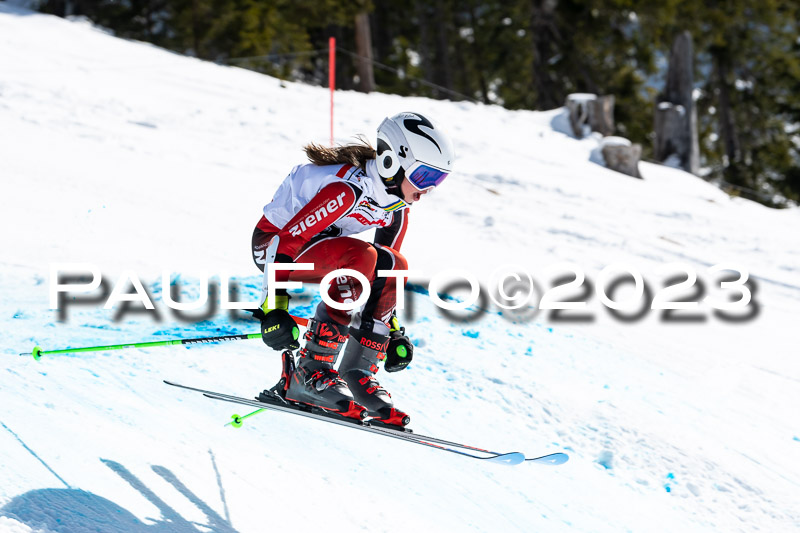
[
  {"x": 463, "y": 81},
  {"x": 670, "y": 125},
  {"x": 589, "y": 112},
  {"x": 344, "y": 69},
  {"x": 381, "y": 29},
  {"x": 148, "y": 21},
  {"x": 445, "y": 78},
  {"x": 725, "y": 113},
  {"x": 366, "y": 76},
  {"x": 622, "y": 156},
  {"x": 426, "y": 63},
  {"x": 476, "y": 52},
  {"x": 578, "y": 106},
  {"x": 196, "y": 30},
  {"x": 545, "y": 36},
  {"x": 675, "y": 115},
  {"x": 601, "y": 114}
]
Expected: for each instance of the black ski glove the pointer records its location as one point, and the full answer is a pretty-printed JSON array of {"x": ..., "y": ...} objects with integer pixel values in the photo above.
[
  {"x": 279, "y": 331},
  {"x": 400, "y": 350}
]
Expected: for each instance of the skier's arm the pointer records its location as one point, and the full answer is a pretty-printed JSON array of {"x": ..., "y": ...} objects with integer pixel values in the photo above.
[
  {"x": 330, "y": 204},
  {"x": 400, "y": 350},
  {"x": 278, "y": 329},
  {"x": 392, "y": 235}
]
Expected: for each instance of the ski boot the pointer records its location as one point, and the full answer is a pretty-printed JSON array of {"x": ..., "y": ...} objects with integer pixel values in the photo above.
[
  {"x": 314, "y": 382},
  {"x": 277, "y": 394},
  {"x": 358, "y": 368}
]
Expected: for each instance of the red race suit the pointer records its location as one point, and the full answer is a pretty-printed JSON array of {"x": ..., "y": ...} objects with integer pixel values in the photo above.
[{"x": 314, "y": 212}]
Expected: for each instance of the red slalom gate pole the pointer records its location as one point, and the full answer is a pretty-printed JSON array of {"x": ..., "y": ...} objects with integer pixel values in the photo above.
[{"x": 332, "y": 75}]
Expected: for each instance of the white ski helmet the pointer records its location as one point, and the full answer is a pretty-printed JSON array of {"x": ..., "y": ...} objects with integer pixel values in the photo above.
[{"x": 411, "y": 146}]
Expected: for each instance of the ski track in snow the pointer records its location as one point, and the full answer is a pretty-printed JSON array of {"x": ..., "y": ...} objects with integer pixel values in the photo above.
[{"x": 123, "y": 155}]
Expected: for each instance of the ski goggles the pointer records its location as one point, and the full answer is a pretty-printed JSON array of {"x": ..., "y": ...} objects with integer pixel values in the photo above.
[{"x": 424, "y": 177}]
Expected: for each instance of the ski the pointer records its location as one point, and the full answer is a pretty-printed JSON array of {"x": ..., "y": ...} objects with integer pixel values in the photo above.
[{"x": 371, "y": 426}]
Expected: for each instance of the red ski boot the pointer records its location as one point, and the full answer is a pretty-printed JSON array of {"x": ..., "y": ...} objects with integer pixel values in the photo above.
[
  {"x": 314, "y": 382},
  {"x": 358, "y": 368}
]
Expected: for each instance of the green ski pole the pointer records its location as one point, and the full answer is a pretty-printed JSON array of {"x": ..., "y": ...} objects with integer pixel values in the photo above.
[
  {"x": 236, "y": 420},
  {"x": 38, "y": 352}
]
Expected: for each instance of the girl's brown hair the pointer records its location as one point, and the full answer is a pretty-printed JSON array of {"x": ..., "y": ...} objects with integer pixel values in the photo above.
[{"x": 356, "y": 154}]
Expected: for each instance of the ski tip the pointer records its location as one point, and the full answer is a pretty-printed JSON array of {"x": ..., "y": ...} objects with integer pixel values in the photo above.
[
  {"x": 552, "y": 459},
  {"x": 509, "y": 459}
]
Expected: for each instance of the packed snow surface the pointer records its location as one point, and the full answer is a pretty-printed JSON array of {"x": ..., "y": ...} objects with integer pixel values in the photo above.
[{"x": 130, "y": 158}]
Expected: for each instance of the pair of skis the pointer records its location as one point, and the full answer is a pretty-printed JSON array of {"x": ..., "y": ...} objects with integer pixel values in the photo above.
[
  {"x": 377, "y": 428},
  {"x": 279, "y": 403}
]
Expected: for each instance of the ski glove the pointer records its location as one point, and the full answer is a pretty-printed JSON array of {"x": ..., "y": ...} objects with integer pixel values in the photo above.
[
  {"x": 279, "y": 331},
  {"x": 400, "y": 350}
]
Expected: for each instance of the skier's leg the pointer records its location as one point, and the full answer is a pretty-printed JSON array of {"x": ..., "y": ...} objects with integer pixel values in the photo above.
[
  {"x": 315, "y": 381},
  {"x": 369, "y": 338}
]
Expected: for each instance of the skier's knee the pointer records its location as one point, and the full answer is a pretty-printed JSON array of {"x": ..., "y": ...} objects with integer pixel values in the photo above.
[
  {"x": 400, "y": 262},
  {"x": 360, "y": 256}
]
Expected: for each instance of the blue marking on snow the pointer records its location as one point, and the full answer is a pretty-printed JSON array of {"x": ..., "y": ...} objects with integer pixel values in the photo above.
[
  {"x": 36, "y": 456},
  {"x": 550, "y": 330},
  {"x": 217, "y": 331},
  {"x": 605, "y": 459},
  {"x": 529, "y": 351},
  {"x": 168, "y": 332},
  {"x": 667, "y": 485},
  {"x": 419, "y": 289},
  {"x": 304, "y": 310},
  {"x": 97, "y": 326},
  {"x": 606, "y": 386},
  {"x": 796, "y": 438},
  {"x": 472, "y": 334}
]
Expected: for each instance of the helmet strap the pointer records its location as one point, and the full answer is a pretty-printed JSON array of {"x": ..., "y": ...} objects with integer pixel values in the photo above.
[{"x": 393, "y": 184}]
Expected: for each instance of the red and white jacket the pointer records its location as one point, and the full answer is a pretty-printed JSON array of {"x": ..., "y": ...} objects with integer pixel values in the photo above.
[{"x": 316, "y": 202}]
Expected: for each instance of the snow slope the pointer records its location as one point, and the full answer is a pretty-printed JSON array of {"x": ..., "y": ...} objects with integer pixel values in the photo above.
[{"x": 126, "y": 156}]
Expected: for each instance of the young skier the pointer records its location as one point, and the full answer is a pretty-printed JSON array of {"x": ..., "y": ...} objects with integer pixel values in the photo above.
[{"x": 344, "y": 191}]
